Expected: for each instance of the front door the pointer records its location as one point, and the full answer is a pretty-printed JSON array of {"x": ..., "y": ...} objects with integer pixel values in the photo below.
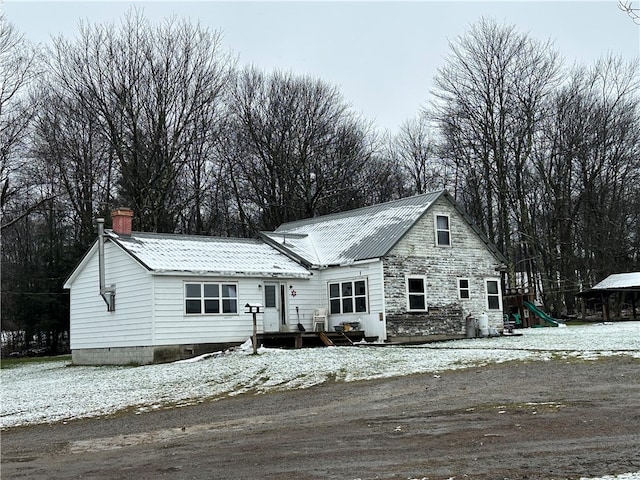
[{"x": 275, "y": 318}]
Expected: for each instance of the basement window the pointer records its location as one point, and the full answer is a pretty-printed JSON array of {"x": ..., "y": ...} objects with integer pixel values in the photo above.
[
  {"x": 348, "y": 297},
  {"x": 211, "y": 298}
]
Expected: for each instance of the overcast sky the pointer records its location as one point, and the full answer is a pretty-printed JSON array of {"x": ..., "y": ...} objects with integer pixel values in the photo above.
[{"x": 382, "y": 55}]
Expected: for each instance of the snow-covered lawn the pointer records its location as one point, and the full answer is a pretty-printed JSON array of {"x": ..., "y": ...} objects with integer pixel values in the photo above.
[{"x": 55, "y": 391}]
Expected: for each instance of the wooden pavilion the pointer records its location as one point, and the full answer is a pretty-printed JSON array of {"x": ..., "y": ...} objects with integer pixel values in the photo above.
[{"x": 624, "y": 287}]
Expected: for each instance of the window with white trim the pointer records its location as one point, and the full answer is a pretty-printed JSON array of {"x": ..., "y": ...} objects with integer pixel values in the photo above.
[
  {"x": 416, "y": 294},
  {"x": 464, "y": 292},
  {"x": 348, "y": 297},
  {"x": 443, "y": 232},
  {"x": 210, "y": 298},
  {"x": 493, "y": 295}
]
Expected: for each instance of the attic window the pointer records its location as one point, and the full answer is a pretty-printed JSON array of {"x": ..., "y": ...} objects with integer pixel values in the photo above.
[
  {"x": 210, "y": 298},
  {"x": 443, "y": 232}
]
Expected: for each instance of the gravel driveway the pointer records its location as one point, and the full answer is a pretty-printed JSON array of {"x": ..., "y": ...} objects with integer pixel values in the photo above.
[{"x": 539, "y": 420}]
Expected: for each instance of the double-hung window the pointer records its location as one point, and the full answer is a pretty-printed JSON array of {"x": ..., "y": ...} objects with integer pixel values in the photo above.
[
  {"x": 210, "y": 298},
  {"x": 348, "y": 297},
  {"x": 464, "y": 292},
  {"x": 443, "y": 231},
  {"x": 493, "y": 294},
  {"x": 416, "y": 294}
]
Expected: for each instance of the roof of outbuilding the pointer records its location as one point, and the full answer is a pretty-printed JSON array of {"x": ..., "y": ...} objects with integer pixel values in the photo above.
[
  {"x": 346, "y": 237},
  {"x": 201, "y": 255},
  {"x": 619, "y": 281}
]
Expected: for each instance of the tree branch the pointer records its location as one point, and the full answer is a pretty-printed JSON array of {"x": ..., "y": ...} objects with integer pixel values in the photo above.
[
  {"x": 634, "y": 13},
  {"x": 33, "y": 207}
]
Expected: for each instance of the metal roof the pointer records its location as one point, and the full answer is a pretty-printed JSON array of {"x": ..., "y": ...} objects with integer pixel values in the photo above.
[
  {"x": 620, "y": 281},
  {"x": 354, "y": 235},
  {"x": 200, "y": 255}
]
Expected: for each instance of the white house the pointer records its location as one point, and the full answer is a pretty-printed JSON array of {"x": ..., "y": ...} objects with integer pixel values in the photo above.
[{"x": 406, "y": 270}]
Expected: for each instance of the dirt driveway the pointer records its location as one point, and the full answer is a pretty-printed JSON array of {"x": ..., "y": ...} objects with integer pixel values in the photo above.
[{"x": 539, "y": 420}]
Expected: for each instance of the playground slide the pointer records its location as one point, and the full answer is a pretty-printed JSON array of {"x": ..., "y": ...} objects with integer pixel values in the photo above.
[{"x": 536, "y": 311}]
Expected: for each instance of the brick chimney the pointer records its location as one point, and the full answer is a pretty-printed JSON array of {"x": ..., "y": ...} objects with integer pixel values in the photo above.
[{"x": 121, "y": 221}]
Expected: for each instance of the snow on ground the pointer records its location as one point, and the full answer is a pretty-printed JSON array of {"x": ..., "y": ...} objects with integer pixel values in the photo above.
[{"x": 55, "y": 391}]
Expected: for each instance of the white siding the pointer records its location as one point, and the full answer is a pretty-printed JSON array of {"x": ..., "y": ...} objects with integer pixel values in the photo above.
[
  {"x": 371, "y": 271},
  {"x": 308, "y": 298},
  {"x": 91, "y": 325},
  {"x": 173, "y": 326}
]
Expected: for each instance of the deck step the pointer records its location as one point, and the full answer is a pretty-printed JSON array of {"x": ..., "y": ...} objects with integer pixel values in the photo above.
[
  {"x": 309, "y": 339},
  {"x": 344, "y": 340},
  {"x": 335, "y": 339},
  {"x": 326, "y": 340}
]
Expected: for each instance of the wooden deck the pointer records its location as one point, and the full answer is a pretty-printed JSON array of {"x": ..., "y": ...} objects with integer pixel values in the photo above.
[{"x": 311, "y": 339}]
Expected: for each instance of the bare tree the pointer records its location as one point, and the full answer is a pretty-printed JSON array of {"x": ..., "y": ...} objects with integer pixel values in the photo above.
[
  {"x": 490, "y": 99},
  {"x": 148, "y": 88},
  {"x": 18, "y": 69},
  {"x": 297, "y": 150},
  {"x": 68, "y": 138},
  {"x": 609, "y": 171},
  {"x": 417, "y": 151},
  {"x": 587, "y": 173},
  {"x": 206, "y": 193}
]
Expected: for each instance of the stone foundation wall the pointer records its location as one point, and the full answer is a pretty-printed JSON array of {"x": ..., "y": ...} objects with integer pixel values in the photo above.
[{"x": 438, "y": 322}]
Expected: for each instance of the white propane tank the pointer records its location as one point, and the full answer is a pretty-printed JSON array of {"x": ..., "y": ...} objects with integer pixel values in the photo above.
[{"x": 483, "y": 325}]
